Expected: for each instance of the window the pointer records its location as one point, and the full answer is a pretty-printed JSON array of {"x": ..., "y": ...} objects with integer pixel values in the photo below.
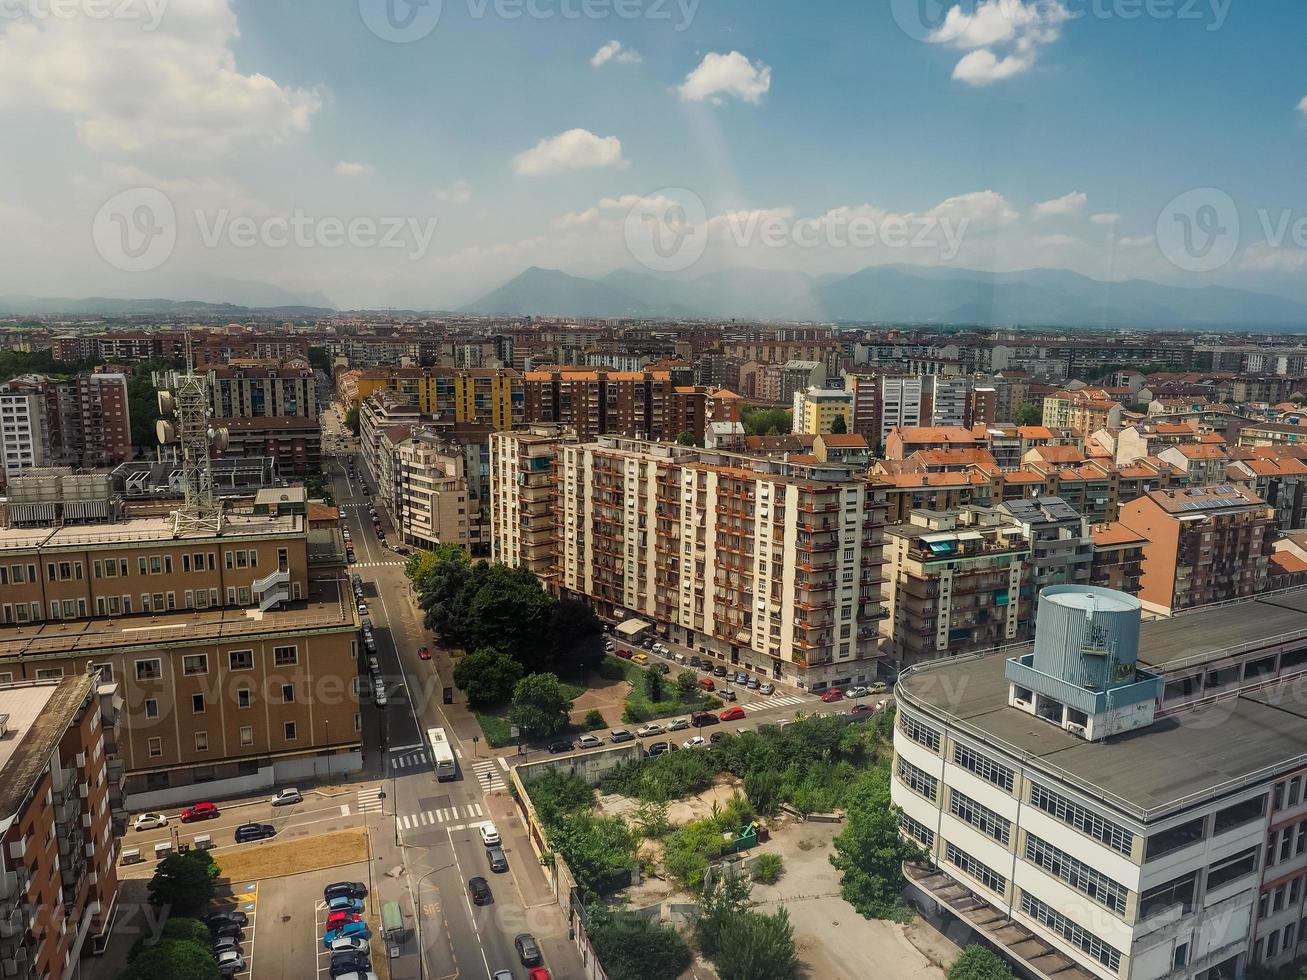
[
  {"x": 1074, "y": 815},
  {"x": 186, "y": 564},
  {"x": 285, "y": 656},
  {"x": 195, "y": 663},
  {"x": 1179, "y": 891},
  {"x": 151, "y": 708},
  {"x": 156, "y": 566},
  {"x": 1239, "y": 814},
  {"x": 1181, "y": 956},
  {"x": 917, "y": 780},
  {"x": 289, "y": 730},
  {"x": 155, "y": 747},
  {"x": 1279, "y": 797},
  {"x": 987, "y": 769},
  {"x": 148, "y": 670},
  {"x": 981, "y": 817},
  {"x": 287, "y": 693},
  {"x": 1277, "y": 900},
  {"x": 1243, "y": 863},
  {"x": 918, "y": 732},
  {"x": 1295, "y": 788},
  {"x": 1077, "y": 874},
  {"x": 1071, "y": 932},
  {"x": 982, "y": 873},
  {"x": 1286, "y": 844},
  {"x": 243, "y": 697},
  {"x": 1174, "y": 838},
  {"x": 50, "y": 674},
  {"x": 201, "y": 741},
  {"x": 247, "y": 735},
  {"x": 918, "y": 831},
  {"x": 241, "y": 659}
]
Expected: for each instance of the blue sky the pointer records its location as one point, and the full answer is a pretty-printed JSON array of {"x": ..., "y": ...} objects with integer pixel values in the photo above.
[{"x": 493, "y": 142}]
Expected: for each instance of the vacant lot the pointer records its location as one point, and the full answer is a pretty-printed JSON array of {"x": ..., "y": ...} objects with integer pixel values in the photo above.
[{"x": 273, "y": 860}]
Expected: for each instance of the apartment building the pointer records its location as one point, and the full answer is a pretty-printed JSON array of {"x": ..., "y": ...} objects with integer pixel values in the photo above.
[
  {"x": 24, "y": 425},
  {"x": 433, "y": 502},
  {"x": 236, "y": 651},
  {"x": 379, "y": 413},
  {"x": 1082, "y": 411},
  {"x": 1203, "y": 464},
  {"x": 1205, "y": 544},
  {"x": 524, "y": 498},
  {"x": 488, "y": 396},
  {"x": 815, "y": 411},
  {"x": 261, "y": 390},
  {"x": 97, "y": 430},
  {"x": 1281, "y": 482},
  {"x": 1086, "y": 829},
  {"x": 293, "y": 442},
  {"x": 637, "y": 404},
  {"x": 58, "y": 848},
  {"x": 1118, "y": 562},
  {"x": 770, "y": 564},
  {"x": 904, "y": 403},
  {"x": 1061, "y": 543},
  {"x": 951, "y": 400}
]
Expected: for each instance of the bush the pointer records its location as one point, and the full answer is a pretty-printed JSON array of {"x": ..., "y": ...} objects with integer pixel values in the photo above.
[
  {"x": 487, "y": 676},
  {"x": 559, "y": 794},
  {"x": 768, "y": 868},
  {"x": 184, "y": 882},
  {"x": 979, "y": 963},
  {"x": 594, "y": 719},
  {"x": 632, "y": 948}
]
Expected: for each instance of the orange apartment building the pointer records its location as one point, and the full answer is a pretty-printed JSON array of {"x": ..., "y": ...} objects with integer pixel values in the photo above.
[{"x": 637, "y": 404}]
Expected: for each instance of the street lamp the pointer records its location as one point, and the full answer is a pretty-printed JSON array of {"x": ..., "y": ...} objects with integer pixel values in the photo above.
[{"x": 328, "y": 724}]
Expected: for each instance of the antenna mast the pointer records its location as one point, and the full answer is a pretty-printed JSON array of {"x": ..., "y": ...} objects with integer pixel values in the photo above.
[{"x": 188, "y": 404}]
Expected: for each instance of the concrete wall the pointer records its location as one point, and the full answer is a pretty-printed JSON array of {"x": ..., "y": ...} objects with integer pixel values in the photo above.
[{"x": 281, "y": 773}]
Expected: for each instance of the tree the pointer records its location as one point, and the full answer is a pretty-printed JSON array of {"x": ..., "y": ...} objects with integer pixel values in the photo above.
[
  {"x": 173, "y": 959},
  {"x": 870, "y": 851},
  {"x": 654, "y": 684},
  {"x": 754, "y": 946},
  {"x": 487, "y": 676},
  {"x": 352, "y": 420},
  {"x": 184, "y": 881},
  {"x": 766, "y": 421},
  {"x": 632, "y": 948},
  {"x": 320, "y": 359},
  {"x": 726, "y": 899},
  {"x": 686, "y": 439},
  {"x": 511, "y": 611},
  {"x": 595, "y": 848},
  {"x": 187, "y": 930},
  {"x": 576, "y": 636},
  {"x": 838, "y": 426},
  {"x": 687, "y": 682},
  {"x": 1027, "y": 414},
  {"x": 539, "y": 707},
  {"x": 979, "y": 963}
]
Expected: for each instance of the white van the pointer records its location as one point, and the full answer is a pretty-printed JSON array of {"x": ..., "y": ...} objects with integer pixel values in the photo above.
[{"x": 679, "y": 658}]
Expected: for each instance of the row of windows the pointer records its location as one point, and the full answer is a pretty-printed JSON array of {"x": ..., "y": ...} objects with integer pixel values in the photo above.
[
  {"x": 918, "y": 732},
  {"x": 1074, "y": 815},
  {"x": 1077, "y": 874},
  {"x": 974, "y": 869},
  {"x": 1071, "y": 932},
  {"x": 984, "y": 767},
  {"x": 918, "y": 780},
  {"x": 1286, "y": 842},
  {"x": 244, "y": 699},
  {"x": 1277, "y": 899},
  {"x": 198, "y": 663},
  {"x": 981, "y": 817},
  {"x": 917, "y": 830},
  {"x": 289, "y": 733}
]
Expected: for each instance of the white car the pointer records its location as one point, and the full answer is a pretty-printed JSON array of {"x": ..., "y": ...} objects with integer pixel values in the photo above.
[
  {"x": 644, "y": 731},
  {"x": 286, "y": 797},
  {"x": 148, "y": 821},
  {"x": 489, "y": 835},
  {"x": 766, "y": 688},
  {"x": 352, "y": 944},
  {"x": 230, "y": 961},
  {"x": 694, "y": 743}
]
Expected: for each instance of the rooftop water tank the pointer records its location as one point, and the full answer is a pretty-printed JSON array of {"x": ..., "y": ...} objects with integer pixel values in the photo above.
[{"x": 1087, "y": 636}]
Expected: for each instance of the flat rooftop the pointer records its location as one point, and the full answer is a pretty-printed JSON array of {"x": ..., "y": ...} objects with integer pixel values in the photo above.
[
  {"x": 1204, "y": 635},
  {"x": 39, "y": 713},
  {"x": 145, "y": 530},
  {"x": 1180, "y": 760},
  {"x": 329, "y": 607}
]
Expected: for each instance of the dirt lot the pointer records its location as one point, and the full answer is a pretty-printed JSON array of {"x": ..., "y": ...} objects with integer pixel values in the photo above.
[{"x": 273, "y": 860}]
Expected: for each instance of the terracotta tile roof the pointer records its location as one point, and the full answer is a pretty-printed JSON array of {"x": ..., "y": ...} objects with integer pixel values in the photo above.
[
  {"x": 1116, "y": 533},
  {"x": 1287, "y": 563},
  {"x": 845, "y": 440},
  {"x": 927, "y": 433},
  {"x": 322, "y": 512},
  {"x": 1059, "y": 454},
  {"x": 1200, "y": 451},
  {"x": 1035, "y": 432}
]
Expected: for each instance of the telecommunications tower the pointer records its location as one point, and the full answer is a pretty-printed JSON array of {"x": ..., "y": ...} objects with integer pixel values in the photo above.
[{"x": 184, "y": 424}]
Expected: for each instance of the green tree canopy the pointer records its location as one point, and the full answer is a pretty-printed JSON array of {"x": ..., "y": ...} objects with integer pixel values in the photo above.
[
  {"x": 487, "y": 676},
  {"x": 352, "y": 420},
  {"x": 511, "y": 611},
  {"x": 1027, "y": 413},
  {"x": 754, "y": 946},
  {"x": 184, "y": 881},
  {"x": 766, "y": 421},
  {"x": 687, "y": 682},
  {"x": 979, "y": 963},
  {"x": 539, "y": 706},
  {"x": 187, "y": 930},
  {"x": 654, "y": 684},
  {"x": 838, "y": 426},
  {"x": 632, "y": 948},
  {"x": 595, "y": 848},
  {"x": 173, "y": 959},
  {"x": 870, "y": 851},
  {"x": 686, "y": 439},
  {"x": 577, "y": 637}
]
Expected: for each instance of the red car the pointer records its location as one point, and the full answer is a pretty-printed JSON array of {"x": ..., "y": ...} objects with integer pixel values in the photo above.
[
  {"x": 538, "y": 973},
  {"x": 338, "y": 919},
  {"x": 834, "y": 694},
  {"x": 732, "y": 714},
  {"x": 862, "y": 709},
  {"x": 624, "y": 653},
  {"x": 424, "y": 653},
  {"x": 201, "y": 811}
]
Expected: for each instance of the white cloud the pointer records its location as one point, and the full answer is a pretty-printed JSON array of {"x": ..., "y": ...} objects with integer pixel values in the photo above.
[
  {"x": 984, "y": 209},
  {"x": 1061, "y": 207},
  {"x": 1021, "y": 26},
  {"x": 459, "y": 192},
  {"x": 352, "y": 168},
  {"x": 720, "y": 75},
  {"x": 1056, "y": 241},
  {"x": 576, "y": 149},
  {"x": 1302, "y": 106},
  {"x": 1136, "y": 242},
  {"x": 1265, "y": 257},
  {"x": 131, "y": 89},
  {"x": 615, "y": 52},
  {"x": 1106, "y": 218}
]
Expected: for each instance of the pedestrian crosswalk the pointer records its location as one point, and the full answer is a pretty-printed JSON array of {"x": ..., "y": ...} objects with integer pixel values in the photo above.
[
  {"x": 488, "y": 774},
  {"x": 773, "y": 702},
  {"x": 377, "y": 564},
  {"x": 413, "y": 759},
  {"x": 430, "y": 818},
  {"x": 370, "y": 800}
]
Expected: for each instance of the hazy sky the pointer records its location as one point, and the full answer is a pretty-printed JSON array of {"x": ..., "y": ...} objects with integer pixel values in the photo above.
[{"x": 381, "y": 153}]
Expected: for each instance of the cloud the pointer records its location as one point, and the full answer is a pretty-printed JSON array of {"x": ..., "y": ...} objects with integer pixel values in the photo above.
[
  {"x": 137, "y": 82},
  {"x": 615, "y": 52},
  {"x": 576, "y": 149},
  {"x": 1302, "y": 106},
  {"x": 720, "y": 75},
  {"x": 1061, "y": 207},
  {"x": 1056, "y": 241},
  {"x": 352, "y": 168},
  {"x": 459, "y": 192},
  {"x": 1136, "y": 242},
  {"x": 984, "y": 209},
  {"x": 1001, "y": 37},
  {"x": 1106, "y": 218}
]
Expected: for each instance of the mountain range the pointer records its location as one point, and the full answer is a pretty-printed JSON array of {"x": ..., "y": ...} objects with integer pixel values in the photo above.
[{"x": 896, "y": 294}]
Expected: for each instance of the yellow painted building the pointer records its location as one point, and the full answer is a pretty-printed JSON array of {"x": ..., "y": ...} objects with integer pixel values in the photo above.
[
  {"x": 816, "y": 410},
  {"x": 491, "y": 396}
]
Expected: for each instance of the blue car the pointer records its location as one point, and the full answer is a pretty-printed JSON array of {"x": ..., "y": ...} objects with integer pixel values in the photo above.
[
  {"x": 345, "y": 903},
  {"x": 351, "y": 930}
]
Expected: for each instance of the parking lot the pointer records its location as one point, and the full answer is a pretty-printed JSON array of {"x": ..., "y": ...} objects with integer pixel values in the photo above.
[{"x": 244, "y": 898}]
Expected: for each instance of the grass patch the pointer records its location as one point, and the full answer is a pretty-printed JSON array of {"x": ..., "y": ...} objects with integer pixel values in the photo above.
[
  {"x": 572, "y": 691},
  {"x": 496, "y": 730},
  {"x": 639, "y": 708},
  {"x": 617, "y": 669},
  {"x": 250, "y": 862}
]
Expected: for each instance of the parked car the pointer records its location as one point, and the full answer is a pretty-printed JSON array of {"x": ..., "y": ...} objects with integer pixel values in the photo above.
[
  {"x": 661, "y": 648},
  {"x": 624, "y": 653},
  {"x": 656, "y": 749},
  {"x": 424, "y": 653},
  {"x": 716, "y": 737},
  {"x": 640, "y": 658},
  {"x": 354, "y": 943},
  {"x": 741, "y": 677},
  {"x": 228, "y": 930},
  {"x": 537, "y": 973},
  {"x": 644, "y": 731},
  {"x": 726, "y": 694},
  {"x": 527, "y": 950},
  {"x": 647, "y": 643},
  {"x": 479, "y": 890},
  {"x": 707, "y": 683},
  {"x": 346, "y": 889},
  {"x": 693, "y": 743},
  {"x": 349, "y": 961},
  {"x": 489, "y": 835},
  {"x": 231, "y": 962},
  {"x": 336, "y": 920},
  {"x": 588, "y": 741},
  {"x": 696, "y": 662},
  {"x": 345, "y": 903},
  {"x": 498, "y": 861},
  {"x": 347, "y": 930},
  {"x": 225, "y": 944},
  {"x": 834, "y": 694},
  {"x": 678, "y": 724},
  {"x": 732, "y": 714},
  {"x": 149, "y": 821},
  {"x": 561, "y": 745},
  {"x": 363, "y": 608},
  {"x": 662, "y": 668},
  {"x": 200, "y": 811},
  {"x": 619, "y": 735},
  {"x": 877, "y": 688},
  {"x": 863, "y": 708},
  {"x": 856, "y": 692},
  {"x": 247, "y": 832},
  {"x": 234, "y": 917},
  {"x": 286, "y": 797},
  {"x": 766, "y": 688},
  {"x": 753, "y": 684},
  {"x": 701, "y": 718}
]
